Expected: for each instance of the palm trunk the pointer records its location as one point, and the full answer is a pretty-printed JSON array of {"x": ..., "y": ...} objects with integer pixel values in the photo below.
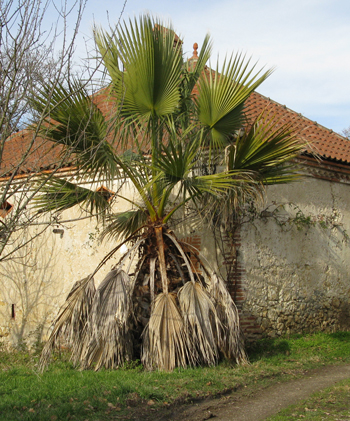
[{"x": 160, "y": 243}]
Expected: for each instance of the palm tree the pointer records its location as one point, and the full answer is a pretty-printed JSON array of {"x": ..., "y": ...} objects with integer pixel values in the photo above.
[{"x": 175, "y": 131}]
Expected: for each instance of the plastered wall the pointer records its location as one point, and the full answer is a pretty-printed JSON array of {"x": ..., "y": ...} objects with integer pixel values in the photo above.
[{"x": 36, "y": 281}]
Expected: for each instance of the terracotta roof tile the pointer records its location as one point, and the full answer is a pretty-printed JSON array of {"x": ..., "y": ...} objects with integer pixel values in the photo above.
[
  {"x": 41, "y": 154},
  {"x": 326, "y": 143}
]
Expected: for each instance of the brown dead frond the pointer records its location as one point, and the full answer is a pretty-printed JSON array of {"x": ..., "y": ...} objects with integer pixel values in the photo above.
[
  {"x": 107, "y": 340},
  {"x": 71, "y": 318},
  {"x": 165, "y": 343},
  {"x": 201, "y": 322},
  {"x": 231, "y": 343},
  {"x": 187, "y": 262}
]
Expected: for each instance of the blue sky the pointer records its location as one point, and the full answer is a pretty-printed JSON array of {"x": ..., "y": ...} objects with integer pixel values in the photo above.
[{"x": 306, "y": 41}]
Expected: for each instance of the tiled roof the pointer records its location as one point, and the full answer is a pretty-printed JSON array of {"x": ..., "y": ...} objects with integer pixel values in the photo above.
[
  {"x": 42, "y": 154},
  {"x": 322, "y": 141}
]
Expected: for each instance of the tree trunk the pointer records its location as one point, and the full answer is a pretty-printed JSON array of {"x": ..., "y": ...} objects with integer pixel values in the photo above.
[{"x": 160, "y": 243}]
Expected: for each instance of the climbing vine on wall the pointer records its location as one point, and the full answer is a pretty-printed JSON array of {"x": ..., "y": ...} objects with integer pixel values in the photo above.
[{"x": 288, "y": 215}]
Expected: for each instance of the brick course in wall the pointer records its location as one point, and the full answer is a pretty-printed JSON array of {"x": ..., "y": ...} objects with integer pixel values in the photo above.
[
  {"x": 235, "y": 279},
  {"x": 195, "y": 241},
  {"x": 235, "y": 284}
]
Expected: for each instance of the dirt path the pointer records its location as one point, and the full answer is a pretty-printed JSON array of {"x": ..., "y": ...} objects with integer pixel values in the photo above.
[{"x": 261, "y": 404}]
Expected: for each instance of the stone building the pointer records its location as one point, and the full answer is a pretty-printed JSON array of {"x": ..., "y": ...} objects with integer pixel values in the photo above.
[{"x": 286, "y": 263}]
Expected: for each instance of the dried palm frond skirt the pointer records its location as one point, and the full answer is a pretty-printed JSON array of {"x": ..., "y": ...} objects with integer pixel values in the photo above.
[{"x": 132, "y": 316}]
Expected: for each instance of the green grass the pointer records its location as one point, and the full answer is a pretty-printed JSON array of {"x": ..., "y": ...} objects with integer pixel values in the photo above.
[
  {"x": 331, "y": 404},
  {"x": 63, "y": 393}
]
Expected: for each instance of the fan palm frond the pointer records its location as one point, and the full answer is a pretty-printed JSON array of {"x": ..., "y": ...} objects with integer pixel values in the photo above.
[
  {"x": 59, "y": 194},
  {"x": 266, "y": 148},
  {"x": 153, "y": 67},
  {"x": 165, "y": 343},
  {"x": 71, "y": 319},
  {"x": 123, "y": 224},
  {"x": 74, "y": 121},
  {"x": 222, "y": 95},
  {"x": 230, "y": 343},
  {"x": 81, "y": 309},
  {"x": 229, "y": 340},
  {"x": 191, "y": 73},
  {"x": 221, "y": 183},
  {"x": 204, "y": 191},
  {"x": 177, "y": 157},
  {"x": 108, "y": 46},
  {"x": 203, "y": 57},
  {"x": 200, "y": 321},
  {"x": 107, "y": 340}
]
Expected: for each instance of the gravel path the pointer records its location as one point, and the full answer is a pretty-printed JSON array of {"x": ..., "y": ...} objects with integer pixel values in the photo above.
[{"x": 262, "y": 404}]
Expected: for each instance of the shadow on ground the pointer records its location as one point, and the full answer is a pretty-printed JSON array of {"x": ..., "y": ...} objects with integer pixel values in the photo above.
[
  {"x": 341, "y": 336},
  {"x": 267, "y": 348}
]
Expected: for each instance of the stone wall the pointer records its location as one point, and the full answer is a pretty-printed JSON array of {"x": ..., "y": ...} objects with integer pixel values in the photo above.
[{"x": 295, "y": 262}]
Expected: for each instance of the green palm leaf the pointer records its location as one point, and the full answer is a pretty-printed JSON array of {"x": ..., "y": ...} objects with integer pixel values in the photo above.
[
  {"x": 150, "y": 84},
  {"x": 74, "y": 121},
  {"x": 177, "y": 160},
  {"x": 123, "y": 224},
  {"x": 192, "y": 70},
  {"x": 59, "y": 195},
  {"x": 207, "y": 191},
  {"x": 203, "y": 57},
  {"x": 108, "y": 46},
  {"x": 221, "y": 97},
  {"x": 265, "y": 149}
]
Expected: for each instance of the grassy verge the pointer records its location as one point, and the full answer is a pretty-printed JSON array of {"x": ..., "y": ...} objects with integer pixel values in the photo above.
[
  {"x": 63, "y": 393},
  {"x": 332, "y": 404}
]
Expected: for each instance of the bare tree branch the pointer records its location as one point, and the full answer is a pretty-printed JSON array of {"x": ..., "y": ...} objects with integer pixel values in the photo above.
[{"x": 30, "y": 54}]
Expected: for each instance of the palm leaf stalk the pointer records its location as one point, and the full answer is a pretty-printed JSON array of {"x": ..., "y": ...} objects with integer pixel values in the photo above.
[{"x": 162, "y": 302}]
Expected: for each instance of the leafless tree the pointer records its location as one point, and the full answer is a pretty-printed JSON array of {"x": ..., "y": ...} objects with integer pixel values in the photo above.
[
  {"x": 35, "y": 45},
  {"x": 346, "y": 133}
]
